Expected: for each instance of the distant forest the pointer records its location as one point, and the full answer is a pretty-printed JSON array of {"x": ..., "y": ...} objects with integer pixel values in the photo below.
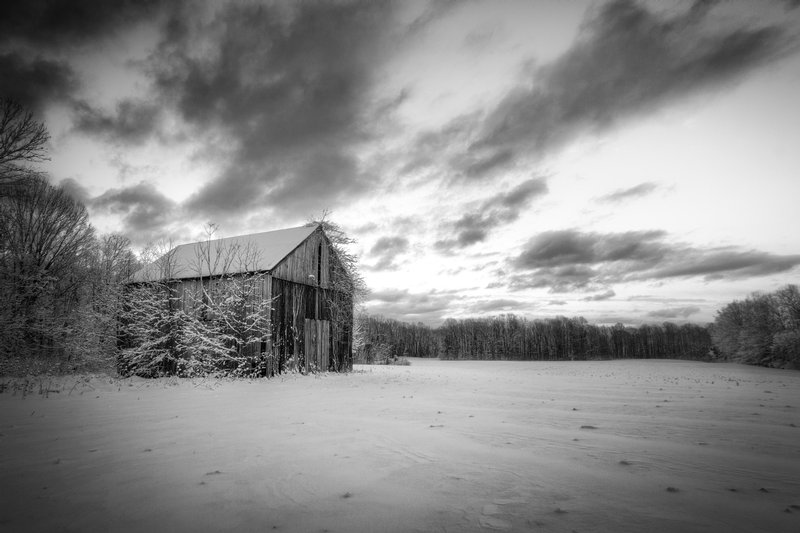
[{"x": 763, "y": 329}]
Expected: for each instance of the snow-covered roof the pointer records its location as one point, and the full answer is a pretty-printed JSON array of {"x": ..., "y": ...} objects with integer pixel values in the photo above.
[{"x": 257, "y": 252}]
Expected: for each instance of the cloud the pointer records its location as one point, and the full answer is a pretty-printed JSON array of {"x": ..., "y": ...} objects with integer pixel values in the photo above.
[
  {"x": 286, "y": 90},
  {"x": 626, "y": 61},
  {"x": 386, "y": 250},
  {"x": 661, "y": 299},
  {"x": 392, "y": 245},
  {"x": 675, "y": 312},
  {"x": 495, "y": 305},
  {"x": 473, "y": 165},
  {"x": 75, "y": 190},
  {"x": 480, "y": 38},
  {"x": 395, "y": 303},
  {"x": 572, "y": 260},
  {"x": 572, "y": 247},
  {"x": 637, "y": 191},
  {"x": 64, "y": 23},
  {"x": 725, "y": 262},
  {"x": 500, "y": 209},
  {"x": 38, "y": 36},
  {"x": 133, "y": 121},
  {"x": 34, "y": 81},
  {"x": 600, "y": 297},
  {"x": 558, "y": 279},
  {"x": 144, "y": 209}
]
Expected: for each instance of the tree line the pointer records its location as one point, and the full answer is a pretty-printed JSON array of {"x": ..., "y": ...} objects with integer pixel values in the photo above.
[
  {"x": 763, "y": 329},
  {"x": 509, "y": 337},
  {"x": 59, "y": 280}
]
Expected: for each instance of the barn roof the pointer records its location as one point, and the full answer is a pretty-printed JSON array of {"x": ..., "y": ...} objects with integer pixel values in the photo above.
[{"x": 256, "y": 252}]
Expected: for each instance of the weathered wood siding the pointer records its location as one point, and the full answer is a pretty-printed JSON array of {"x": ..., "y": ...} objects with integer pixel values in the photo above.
[
  {"x": 311, "y": 258},
  {"x": 293, "y": 304},
  {"x": 318, "y": 345}
]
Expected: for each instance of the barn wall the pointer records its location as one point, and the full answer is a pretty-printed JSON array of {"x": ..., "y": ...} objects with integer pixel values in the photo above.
[
  {"x": 311, "y": 258},
  {"x": 294, "y": 309},
  {"x": 292, "y": 304}
]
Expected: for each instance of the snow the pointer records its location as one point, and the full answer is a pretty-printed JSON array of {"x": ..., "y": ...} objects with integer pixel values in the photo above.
[{"x": 436, "y": 446}]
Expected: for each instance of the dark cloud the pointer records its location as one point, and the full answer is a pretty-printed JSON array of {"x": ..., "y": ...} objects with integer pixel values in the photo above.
[
  {"x": 502, "y": 208},
  {"x": 34, "y": 81},
  {"x": 637, "y": 191},
  {"x": 60, "y": 23},
  {"x": 287, "y": 88},
  {"x": 497, "y": 305},
  {"x": 143, "y": 208},
  {"x": 675, "y": 312},
  {"x": 386, "y": 250},
  {"x": 572, "y": 247},
  {"x": 391, "y": 245},
  {"x": 133, "y": 121},
  {"x": 558, "y": 279},
  {"x": 626, "y": 61},
  {"x": 571, "y": 260},
  {"x": 473, "y": 165},
  {"x": 368, "y": 227},
  {"x": 429, "y": 147},
  {"x": 37, "y": 35},
  {"x": 724, "y": 263},
  {"x": 388, "y": 296},
  {"x": 600, "y": 297}
]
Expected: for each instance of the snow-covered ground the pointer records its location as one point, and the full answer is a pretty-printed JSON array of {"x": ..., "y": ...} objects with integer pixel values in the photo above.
[{"x": 436, "y": 446}]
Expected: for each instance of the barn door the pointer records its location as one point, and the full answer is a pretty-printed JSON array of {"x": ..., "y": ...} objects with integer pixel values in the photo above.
[{"x": 317, "y": 337}]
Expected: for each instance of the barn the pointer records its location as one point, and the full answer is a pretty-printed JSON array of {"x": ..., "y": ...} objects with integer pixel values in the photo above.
[{"x": 293, "y": 274}]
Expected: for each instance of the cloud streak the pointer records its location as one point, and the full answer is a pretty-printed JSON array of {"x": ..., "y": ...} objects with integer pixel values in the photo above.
[
  {"x": 675, "y": 312},
  {"x": 637, "y": 191},
  {"x": 627, "y": 61},
  {"x": 480, "y": 219},
  {"x": 572, "y": 260}
]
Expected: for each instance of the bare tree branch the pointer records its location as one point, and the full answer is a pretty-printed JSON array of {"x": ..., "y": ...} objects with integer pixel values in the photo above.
[{"x": 22, "y": 141}]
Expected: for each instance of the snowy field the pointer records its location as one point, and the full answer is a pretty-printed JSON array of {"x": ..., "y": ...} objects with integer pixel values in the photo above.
[{"x": 619, "y": 446}]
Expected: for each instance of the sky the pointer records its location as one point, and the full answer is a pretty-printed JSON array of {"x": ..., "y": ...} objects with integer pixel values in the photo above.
[{"x": 624, "y": 161}]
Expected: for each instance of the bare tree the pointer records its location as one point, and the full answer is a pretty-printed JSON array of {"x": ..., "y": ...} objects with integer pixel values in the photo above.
[
  {"x": 22, "y": 141},
  {"x": 150, "y": 321},
  {"x": 45, "y": 236},
  {"x": 232, "y": 332}
]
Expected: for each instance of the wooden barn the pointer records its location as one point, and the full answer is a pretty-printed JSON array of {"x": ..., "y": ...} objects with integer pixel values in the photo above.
[{"x": 298, "y": 280}]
